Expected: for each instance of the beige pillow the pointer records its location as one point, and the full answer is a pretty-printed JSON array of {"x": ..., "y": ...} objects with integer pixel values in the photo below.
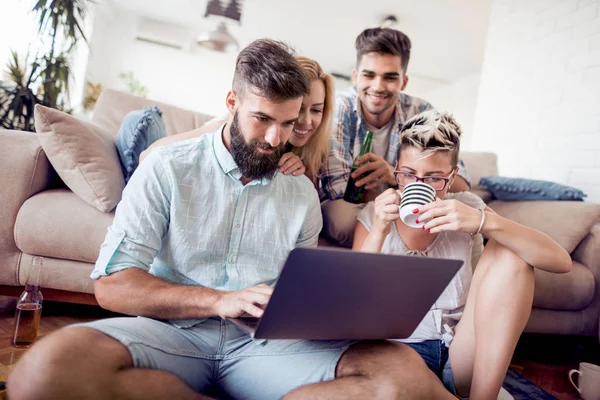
[
  {"x": 567, "y": 222},
  {"x": 84, "y": 156}
]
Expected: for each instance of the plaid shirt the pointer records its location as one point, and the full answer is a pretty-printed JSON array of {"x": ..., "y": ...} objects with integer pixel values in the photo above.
[{"x": 349, "y": 132}]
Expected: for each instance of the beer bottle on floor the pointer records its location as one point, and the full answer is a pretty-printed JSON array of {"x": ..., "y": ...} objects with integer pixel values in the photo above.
[
  {"x": 29, "y": 308},
  {"x": 354, "y": 194}
]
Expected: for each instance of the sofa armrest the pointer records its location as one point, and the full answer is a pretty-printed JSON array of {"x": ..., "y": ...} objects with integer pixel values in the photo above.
[
  {"x": 567, "y": 222},
  {"x": 25, "y": 172},
  {"x": 588, "y": 251}
]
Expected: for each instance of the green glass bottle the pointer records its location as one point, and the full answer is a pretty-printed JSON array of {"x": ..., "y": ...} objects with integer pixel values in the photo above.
[{"x": 354, "y": 194}]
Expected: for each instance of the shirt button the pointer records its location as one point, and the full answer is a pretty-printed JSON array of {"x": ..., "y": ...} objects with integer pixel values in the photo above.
[
  {"x": 120, "y": 234},
  {"x": 231, "y": 261},
  {"x": 237, "y": 225}
]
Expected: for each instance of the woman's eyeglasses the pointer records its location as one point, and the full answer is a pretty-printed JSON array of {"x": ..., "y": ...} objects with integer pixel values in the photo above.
[{"x": 436, "y": 182}]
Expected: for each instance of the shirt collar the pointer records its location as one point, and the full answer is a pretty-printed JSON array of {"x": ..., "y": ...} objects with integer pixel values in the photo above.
[
  {"x": 226, "y": 162},
  {"x": 223, "y": 155}
]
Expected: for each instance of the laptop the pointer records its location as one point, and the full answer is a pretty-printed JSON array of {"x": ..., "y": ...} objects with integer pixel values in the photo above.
[{"x": 331, "y": 293}]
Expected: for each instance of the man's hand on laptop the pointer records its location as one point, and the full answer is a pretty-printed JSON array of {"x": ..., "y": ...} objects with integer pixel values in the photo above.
[{"x": 251, "y": 300}]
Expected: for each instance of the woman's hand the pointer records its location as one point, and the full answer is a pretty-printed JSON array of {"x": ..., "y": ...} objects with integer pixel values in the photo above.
[
  {"x": 291, "y": 164},
  {"x": 449, "y": 215},
  {"x": 386, "y": 211}
]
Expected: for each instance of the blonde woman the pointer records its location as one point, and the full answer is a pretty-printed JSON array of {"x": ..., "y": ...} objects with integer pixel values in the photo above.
[
  {"x": 308, "y": 145},
  {"x": 468, "y": 337}
]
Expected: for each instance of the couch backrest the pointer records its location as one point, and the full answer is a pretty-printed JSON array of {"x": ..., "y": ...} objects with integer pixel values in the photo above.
[
  {"x": 478, "y": 165},
  {"x": 112, "y": 106}
]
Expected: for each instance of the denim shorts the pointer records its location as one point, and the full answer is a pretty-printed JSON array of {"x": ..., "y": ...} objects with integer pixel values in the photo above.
[
  {"x": 216, "y": 358},
  {"x": 435, "y": 355}
]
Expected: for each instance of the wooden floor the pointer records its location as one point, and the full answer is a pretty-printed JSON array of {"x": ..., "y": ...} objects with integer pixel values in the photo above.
[
  {"x": 545, "y": 360},
  {"x": 54, "y": 316}
]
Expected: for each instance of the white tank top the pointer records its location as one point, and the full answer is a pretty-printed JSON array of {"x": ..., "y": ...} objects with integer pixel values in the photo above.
[{"x": 440, "y": 320}]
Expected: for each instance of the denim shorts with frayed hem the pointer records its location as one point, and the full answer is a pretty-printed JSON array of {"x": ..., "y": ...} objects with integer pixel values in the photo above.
[{"x": 216, "y": 358}]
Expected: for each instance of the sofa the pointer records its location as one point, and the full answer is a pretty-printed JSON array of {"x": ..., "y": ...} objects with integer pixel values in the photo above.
[{"x": 42, "y": 216}]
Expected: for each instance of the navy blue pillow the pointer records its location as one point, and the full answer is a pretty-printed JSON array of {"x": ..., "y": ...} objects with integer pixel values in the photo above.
[
  {"x": 519, "y": 189},
  {"x": 138, "y": 131}
]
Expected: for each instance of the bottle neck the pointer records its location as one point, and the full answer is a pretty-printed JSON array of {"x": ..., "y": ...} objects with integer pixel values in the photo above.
[
  {"x": 33, "y": 276},
  {"x": 367, "y": 145}
]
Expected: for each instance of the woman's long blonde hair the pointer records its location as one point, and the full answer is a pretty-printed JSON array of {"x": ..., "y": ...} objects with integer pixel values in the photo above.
[{"x": 314, "y": 153}]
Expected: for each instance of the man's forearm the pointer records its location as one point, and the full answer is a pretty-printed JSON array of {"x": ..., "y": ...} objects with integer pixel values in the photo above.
[{"x": 136, "y": 292}]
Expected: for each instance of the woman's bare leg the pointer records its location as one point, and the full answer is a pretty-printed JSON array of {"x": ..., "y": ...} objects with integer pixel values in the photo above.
[{"x": 497, "y": 310}]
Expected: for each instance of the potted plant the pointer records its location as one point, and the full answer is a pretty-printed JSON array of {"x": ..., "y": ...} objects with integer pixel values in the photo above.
[{"x": 46, "y": 79}]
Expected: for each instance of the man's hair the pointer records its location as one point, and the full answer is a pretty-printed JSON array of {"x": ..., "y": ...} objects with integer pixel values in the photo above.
[
  {"x": 268, "y": 68},
  {"x": 431, "y": 132},
  {"x": 383, "y": 41}
]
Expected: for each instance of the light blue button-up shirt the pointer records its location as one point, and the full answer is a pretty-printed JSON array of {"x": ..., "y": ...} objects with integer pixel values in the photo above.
[{"x": 186, "y": 217}]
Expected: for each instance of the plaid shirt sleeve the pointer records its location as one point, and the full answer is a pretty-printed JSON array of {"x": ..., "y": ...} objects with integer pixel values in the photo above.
[
  {"x": 339, "y": 163},
  {"x": 462, "y": 172}
]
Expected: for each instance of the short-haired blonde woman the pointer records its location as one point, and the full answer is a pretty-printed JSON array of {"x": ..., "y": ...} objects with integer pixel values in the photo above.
[
  {"x": 469, "y": 335},
  {"x": 308, "y": 145}
]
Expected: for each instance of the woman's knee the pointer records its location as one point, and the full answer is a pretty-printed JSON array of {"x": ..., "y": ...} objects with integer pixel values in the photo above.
[{"x": 508, "y": 262}]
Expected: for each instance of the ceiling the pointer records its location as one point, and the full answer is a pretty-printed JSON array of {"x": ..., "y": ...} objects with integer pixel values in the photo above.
[{"x": 448, "y": 36}]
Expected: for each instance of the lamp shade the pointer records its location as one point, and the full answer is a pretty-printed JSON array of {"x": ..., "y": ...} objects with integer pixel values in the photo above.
[{"x": 219, "y": 39}]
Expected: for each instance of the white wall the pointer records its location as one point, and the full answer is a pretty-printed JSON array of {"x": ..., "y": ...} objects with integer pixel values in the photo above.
[
  {"x": 460, "y": 99},
  {"x": 539, "y": 98},
  {"x": 18, "y": 32},
  {"x": 196, "y": 80}
]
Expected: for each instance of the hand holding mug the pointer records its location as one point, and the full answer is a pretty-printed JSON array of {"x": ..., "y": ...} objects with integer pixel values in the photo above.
[{"x": 385, "y": 211}]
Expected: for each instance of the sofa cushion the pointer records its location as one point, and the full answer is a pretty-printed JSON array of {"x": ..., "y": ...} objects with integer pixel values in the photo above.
[
  {"x": 138, "y": 131},
  {"x": 72, "y": 276},
  {"x": 576, "y": 289},
  {"x": 485, "y": 195},
  {"x": 112, "y": 106},
  {"x": 57, "y": 223},
  {"x": 84, "y": 156},
  {"x": 521, "y": 189},
  {"x": 479, "y": 164},
  {"x": 567, "y": 222}
]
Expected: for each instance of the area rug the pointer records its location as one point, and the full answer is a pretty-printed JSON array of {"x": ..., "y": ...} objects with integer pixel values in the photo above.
[{"x": 521, "y": 388}]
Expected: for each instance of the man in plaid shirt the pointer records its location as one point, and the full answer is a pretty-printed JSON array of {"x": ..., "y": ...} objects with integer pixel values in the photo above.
[{"x": 375, "y": 103}]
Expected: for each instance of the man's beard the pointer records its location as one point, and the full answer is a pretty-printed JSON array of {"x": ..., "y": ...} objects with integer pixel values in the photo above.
[{"x": 253, "y": 164}]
